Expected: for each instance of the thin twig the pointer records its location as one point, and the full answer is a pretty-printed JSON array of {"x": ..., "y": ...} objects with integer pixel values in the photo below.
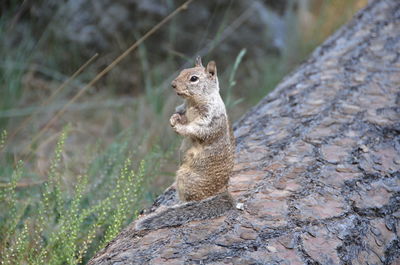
[
  {"x": 23, "y": 184},
  {"x": 61, "y": 87},
  {"x": 110, "y": 66},
  {"x": 17, "y": 16},
  {"x": 109, "y": 103},
  {"x": 228, "y": 31}
]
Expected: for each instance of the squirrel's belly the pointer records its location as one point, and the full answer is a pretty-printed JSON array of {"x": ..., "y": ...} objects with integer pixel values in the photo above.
[
  {"x": 192, "y": 154},
  {"x": 202, "y": 178}
]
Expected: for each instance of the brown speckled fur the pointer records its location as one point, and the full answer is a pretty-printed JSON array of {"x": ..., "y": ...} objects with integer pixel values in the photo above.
[{"x": 208, "y": 147}]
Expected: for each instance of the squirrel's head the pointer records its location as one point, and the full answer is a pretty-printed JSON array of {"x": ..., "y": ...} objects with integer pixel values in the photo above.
[{"x": 197, "y": 82}]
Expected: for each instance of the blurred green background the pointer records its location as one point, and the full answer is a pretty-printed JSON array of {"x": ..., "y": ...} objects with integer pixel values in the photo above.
[{"x": 78, "y": 162}]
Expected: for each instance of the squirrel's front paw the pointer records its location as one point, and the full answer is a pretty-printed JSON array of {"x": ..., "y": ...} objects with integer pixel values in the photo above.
[{"x": 175, "y": 118}]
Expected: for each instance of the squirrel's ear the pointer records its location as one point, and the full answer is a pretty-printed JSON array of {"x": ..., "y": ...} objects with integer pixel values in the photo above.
[
  {"x": 212, "y": 68},
  {"x": 198, "y": 62}
]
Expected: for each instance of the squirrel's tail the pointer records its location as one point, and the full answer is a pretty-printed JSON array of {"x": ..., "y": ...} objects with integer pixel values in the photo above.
[{"x": 212, "y": 207}]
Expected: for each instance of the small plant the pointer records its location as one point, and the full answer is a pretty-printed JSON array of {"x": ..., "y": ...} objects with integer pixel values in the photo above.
[
  {"x": 3, "y": 137},
  {"x": 57, "y": 227}
]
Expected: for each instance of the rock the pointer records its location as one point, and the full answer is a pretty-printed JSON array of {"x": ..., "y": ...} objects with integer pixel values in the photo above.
[
  {"x": 371, "y": 196},
  {"x": 334, "y": 153},
  {"x": 316, "y": 206},
  {"x": 271, "y": 249},
  {"x": 322, "y": 247},
  {"x": 317, "y": 182},
  {"x": 288, "y": 241},
  {"x": 247, "y": 234},
  {"x": 204, "y": 252}
]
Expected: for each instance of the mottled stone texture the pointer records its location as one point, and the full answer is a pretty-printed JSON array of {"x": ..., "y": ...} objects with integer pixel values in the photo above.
[{"x": 317, "y": 166}]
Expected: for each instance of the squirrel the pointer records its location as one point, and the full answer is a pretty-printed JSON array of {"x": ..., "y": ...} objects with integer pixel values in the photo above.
[{"x": 208, "y": 146}]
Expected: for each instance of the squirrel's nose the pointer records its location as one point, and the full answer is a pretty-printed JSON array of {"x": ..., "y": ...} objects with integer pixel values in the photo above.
[{"x": 173, "y": 84}]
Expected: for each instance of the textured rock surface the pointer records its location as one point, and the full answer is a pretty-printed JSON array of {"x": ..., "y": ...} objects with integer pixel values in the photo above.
[{"x": 317, "y": 165}]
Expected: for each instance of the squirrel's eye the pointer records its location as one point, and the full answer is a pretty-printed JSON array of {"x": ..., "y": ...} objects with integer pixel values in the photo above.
[{"x": 194, "y": 78}]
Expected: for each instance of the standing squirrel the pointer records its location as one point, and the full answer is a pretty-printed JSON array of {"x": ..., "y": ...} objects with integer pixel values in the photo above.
[{"x": 208, "y": 147}]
